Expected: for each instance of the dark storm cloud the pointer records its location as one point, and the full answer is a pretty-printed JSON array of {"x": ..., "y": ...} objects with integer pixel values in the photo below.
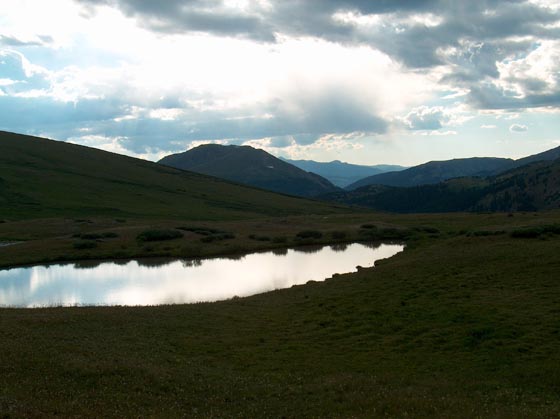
[
  {"x": 174, "y": 16},
  {"x": 486, "y": 96},
  {"x": 468, "y": 37},
  {"x": 339, "y": 114}
]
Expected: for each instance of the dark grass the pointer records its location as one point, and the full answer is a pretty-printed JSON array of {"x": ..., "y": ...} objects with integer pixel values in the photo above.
[
  {"x": 159, "y": 235},
  {"x": 459, "y": 325},
  {"x": 454, "y": 327}
]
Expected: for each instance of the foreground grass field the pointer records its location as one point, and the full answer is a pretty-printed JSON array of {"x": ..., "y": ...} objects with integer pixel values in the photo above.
[{"x": 464, "y": 323}]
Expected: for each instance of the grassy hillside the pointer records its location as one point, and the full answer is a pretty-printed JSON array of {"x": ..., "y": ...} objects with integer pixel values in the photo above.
[
  {"x": 529, "y": 188},
  {"x": 44, "y": 178},
  {"x": 250, "y": 166},
  {"x": 437, "y": 171}
]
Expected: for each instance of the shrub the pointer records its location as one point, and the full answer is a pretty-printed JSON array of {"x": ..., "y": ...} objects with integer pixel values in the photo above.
[
  {"x": 427, "y": 229},
  {"x": 279, "y": 239},
  {"x": 110, "y": 235},
  {"x": 203, "y": 231},
  {"x": 90, "y": 236},
  {"x": 338, "y": 235},
  {"x": 159, "y": 235},
  {"x": 309, "y": 234},
  {"x": 385, "y": 233},
  {"x": 217, "y": 237},
  {"x": 83, "y": 244},
  {"x": 368, "y": 226},
  {"x": 527, "y": 233},
  {"x": 259, "y": 238},
  {"x": 534, "y": 232},
  {"x": 480, "y": 233}
]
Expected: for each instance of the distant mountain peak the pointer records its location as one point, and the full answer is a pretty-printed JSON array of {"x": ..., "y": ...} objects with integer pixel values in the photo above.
[{"x": 250, "y": 166}]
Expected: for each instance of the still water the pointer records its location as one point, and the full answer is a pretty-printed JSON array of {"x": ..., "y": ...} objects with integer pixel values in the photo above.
[{"x": 152, "y": 282}]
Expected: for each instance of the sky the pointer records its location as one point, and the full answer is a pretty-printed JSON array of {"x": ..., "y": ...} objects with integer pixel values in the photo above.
[{"x": 367, "y": 82}]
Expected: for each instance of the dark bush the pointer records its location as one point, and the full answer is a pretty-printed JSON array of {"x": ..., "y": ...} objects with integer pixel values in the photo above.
[
  {"x": 480, "y": 233},
  {"x": 368, "y": 226},
  {"x": 83, "y": 244},
  {"x": 203, "y": 231},
  {"x": 90, "y": 236},
  {"x": 527, "y": 233},
  {"x": 385, "y": 234},
  {"x": 259, "y": 238},
  {"x": 159, "y": 235},
  {"x": 217, "y": 237},
  {"x": 110, "y": 235},
  {"x": 279, "y": 239},
  {"x": 534, "y": 232},
  {"x": 338, "y": 235},
  {"x": 427, "y": 229},
  {"x": 309, "y": 234}
]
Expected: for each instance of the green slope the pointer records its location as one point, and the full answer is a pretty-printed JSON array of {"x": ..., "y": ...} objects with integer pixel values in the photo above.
[{"x": 45, "y": 178}]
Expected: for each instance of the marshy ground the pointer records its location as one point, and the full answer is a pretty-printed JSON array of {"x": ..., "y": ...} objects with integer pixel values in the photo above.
[{"x": 463, "y": 323}]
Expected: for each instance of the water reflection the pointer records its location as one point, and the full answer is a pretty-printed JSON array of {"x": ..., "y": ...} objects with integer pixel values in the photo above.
[{"x": 180, "y": 281}]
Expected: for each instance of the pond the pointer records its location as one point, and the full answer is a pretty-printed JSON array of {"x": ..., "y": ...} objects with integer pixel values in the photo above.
[{"x": 156, "y": 282}]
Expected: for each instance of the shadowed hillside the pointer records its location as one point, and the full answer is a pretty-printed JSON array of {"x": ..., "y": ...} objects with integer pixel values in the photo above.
[
  {"x": 250, "y": 166},
  {"x": 439, "y": 171},
  {"x": 45, "y": 178},
  {"x": 528, "y": 188}
]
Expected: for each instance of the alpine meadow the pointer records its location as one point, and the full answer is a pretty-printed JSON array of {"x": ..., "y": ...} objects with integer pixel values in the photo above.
[{"x": 265, "y": 209}]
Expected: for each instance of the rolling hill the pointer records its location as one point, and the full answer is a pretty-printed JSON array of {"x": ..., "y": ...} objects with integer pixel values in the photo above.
[
  {"x": 532, "y": 187},
  {"x": 438, "y": 171},
  {"x": 535, "y": 186},
  {"x": 250, "y": 166},
  {"x": 45, "y": 178},
  {"x": 340, "y": 173}
]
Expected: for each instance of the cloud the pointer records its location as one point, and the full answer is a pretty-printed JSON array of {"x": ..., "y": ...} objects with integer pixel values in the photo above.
[
  {"x": 91, "y": 104},
  {"x": 425, "y": 118},
  {"x": 517, "y": 128},
  {"x": 488, "y": 126},
  {"x": 12, "y": 41},
  {"x": 494, "y": 49}
]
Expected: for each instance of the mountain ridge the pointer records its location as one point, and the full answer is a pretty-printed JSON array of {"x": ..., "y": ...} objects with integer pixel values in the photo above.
[
  {"x": 341, "y": 173},
  {"x": 434, "y": 172},
  {"x": 532, "y": 187},
  {"x": 250, "y": 166}
]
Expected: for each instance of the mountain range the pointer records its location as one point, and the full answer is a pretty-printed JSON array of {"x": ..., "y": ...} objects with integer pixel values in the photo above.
[
  {"x": 340, "y": 173},
  {"x": 533, "y": 186},
  {"x": 250, "y": 166},
  {"x": 438, "y": 171}
]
